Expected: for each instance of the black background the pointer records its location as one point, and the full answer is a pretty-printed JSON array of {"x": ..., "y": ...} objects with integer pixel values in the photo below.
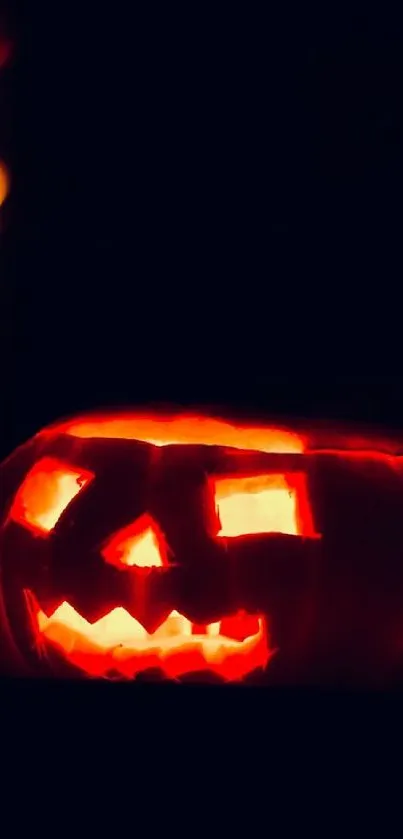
[{"x": 205, "y": 208}]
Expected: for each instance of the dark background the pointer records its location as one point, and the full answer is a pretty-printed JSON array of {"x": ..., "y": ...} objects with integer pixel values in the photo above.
[{"x": 204, "y": 207}]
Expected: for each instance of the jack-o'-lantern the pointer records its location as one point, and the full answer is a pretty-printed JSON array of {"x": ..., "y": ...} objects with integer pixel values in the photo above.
[{"x": 191, "y": 547}]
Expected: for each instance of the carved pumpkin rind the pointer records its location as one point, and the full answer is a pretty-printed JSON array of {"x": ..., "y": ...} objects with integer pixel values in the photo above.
[{"x": 328, "y": 590}]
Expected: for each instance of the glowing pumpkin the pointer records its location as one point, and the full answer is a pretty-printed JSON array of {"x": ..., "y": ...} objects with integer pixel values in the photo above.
[
  {"x": 135, "y": 544},
  {"x": 4, "y": 182}
]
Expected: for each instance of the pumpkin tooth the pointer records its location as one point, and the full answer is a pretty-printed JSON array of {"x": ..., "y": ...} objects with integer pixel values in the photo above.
[
  {"x": 117, "y": 627},
  {"x": 175, "y": 624},
  {"x": 66, "y": 615},
  {"x": 213, "y": 629}
]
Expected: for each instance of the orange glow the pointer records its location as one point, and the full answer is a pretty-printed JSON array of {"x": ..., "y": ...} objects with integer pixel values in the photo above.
[
  {"x": 4, "y": 183},
  {"x": 263, "y": 504},
  {"x": 139, "y": 544},
  {"x": 46, "y": 492},
  {"x": 186, "y": 430},
  {"x": 117, "y": 642}
]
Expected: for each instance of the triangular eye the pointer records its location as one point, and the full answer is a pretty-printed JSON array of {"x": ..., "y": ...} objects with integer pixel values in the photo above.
[
  {"x": 140, "y": 544},
  {"x": 47, "y": 490}
]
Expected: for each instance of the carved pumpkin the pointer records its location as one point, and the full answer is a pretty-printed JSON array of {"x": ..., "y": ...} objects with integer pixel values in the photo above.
[{"x": 187, "y": 546}]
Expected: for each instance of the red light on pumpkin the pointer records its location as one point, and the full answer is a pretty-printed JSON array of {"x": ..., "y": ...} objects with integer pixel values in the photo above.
[{"x": 6, "y": 52}]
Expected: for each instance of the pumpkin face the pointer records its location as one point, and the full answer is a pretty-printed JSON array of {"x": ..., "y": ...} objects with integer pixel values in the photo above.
[{"x": 189, "y": 547}]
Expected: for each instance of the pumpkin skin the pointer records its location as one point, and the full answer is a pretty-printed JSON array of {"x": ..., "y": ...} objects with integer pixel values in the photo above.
[{"x": 137, "y": 545}]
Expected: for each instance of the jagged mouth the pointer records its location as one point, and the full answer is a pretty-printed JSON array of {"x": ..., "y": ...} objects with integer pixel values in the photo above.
[{"x": 117, "y": 644}]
